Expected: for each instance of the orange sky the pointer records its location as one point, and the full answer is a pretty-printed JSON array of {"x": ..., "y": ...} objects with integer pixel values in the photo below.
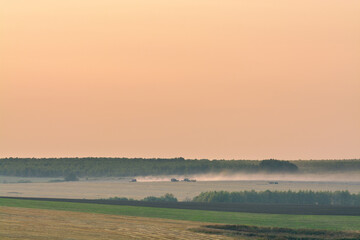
[{"x": 228, "y": 79}]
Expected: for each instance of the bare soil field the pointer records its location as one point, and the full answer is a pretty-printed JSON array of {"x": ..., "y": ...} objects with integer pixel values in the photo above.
[
  {"x": 139, "y": 190},
  {"x": 37, "y": 224}
]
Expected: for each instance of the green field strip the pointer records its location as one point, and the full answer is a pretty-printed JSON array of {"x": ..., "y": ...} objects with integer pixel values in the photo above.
[{"x": 329, "y": 222}]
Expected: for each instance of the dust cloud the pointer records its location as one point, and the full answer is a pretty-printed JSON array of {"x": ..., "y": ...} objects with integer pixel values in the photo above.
[{"x": 226, "y": 176}]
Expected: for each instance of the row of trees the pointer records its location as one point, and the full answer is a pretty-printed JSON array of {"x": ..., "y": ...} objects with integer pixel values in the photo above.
[
  {"x": 122, "y": 167},
  {"x": 168, "y": 197},
  {"x": 338, "y": 198},
  {"x": 315, "y": 166},
  {"x": 343, "y": 198}
]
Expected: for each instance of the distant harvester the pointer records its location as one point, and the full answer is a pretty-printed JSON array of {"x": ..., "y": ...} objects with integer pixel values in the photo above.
[
  {"x": 184, "y": 180},
  {"x": 189, "y": 180}
]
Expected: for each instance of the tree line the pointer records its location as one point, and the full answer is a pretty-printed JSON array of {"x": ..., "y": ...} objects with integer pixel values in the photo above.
[
  {"x": 340, "y": 165},
  {"x": 168, "y": 197},
  {"x": 124, "y": 167},
  {"x": 337, "y": 198},
  {"x": 343, "y": 198}
]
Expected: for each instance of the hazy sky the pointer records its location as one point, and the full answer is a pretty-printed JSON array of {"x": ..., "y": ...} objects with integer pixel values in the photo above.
[{"x": 230, "y": 79}]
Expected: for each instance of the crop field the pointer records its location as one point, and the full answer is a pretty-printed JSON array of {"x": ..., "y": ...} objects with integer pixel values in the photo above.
[
  {"x": 298, "y": 209},
  {"x": 328, "y": 222},
  {"x": 39, "y": 224},
  {"x": 139, "y": 190}
]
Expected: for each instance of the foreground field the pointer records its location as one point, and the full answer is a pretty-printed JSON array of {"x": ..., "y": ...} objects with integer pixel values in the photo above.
[
  {"x": 36, "y": 224},
  {"x": 139, "y": 190},
  {"x": 266, "y": 233},
  {"x": 346, "y": 223}
]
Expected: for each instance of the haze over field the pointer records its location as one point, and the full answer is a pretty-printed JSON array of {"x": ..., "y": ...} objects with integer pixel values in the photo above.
[
  {"x": 230, "y": 176},
  {"x": 182, "y": 190},
  {"x": 199, "y": 79}
]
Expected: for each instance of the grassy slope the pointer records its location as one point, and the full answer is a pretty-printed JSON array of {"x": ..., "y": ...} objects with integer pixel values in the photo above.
[{"x": 269, "y": 220}]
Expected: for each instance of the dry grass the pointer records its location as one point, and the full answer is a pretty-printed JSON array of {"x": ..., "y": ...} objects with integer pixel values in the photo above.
[{"x": 38, "y": 224}]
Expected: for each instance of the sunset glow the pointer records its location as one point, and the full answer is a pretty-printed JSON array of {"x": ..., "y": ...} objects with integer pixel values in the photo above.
[{"x": 210, "y": 79}]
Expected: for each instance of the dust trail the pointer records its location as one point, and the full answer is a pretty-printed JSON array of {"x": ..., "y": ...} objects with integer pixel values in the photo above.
[{"x": 226, "y": 176}]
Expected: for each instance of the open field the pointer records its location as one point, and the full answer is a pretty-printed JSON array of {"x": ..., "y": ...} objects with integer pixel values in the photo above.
[
  {"x": 266, "y": 233},
  {"x": 13, "y": 179},
  {"x": 346, "y": 223},
  {"x": 38, "y": 224},
  {"x": 298, "y": 209},
  {"x": 139, "y": 190}
]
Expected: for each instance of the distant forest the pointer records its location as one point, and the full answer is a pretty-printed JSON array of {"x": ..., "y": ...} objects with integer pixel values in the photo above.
[{"x": 127, "y": 167}]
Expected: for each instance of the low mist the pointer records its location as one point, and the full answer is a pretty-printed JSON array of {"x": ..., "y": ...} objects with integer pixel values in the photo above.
[{"x": 226, "y": 176}]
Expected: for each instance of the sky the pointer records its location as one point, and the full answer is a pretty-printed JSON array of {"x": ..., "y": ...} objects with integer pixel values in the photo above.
[{"x": 216, "y": 79}]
